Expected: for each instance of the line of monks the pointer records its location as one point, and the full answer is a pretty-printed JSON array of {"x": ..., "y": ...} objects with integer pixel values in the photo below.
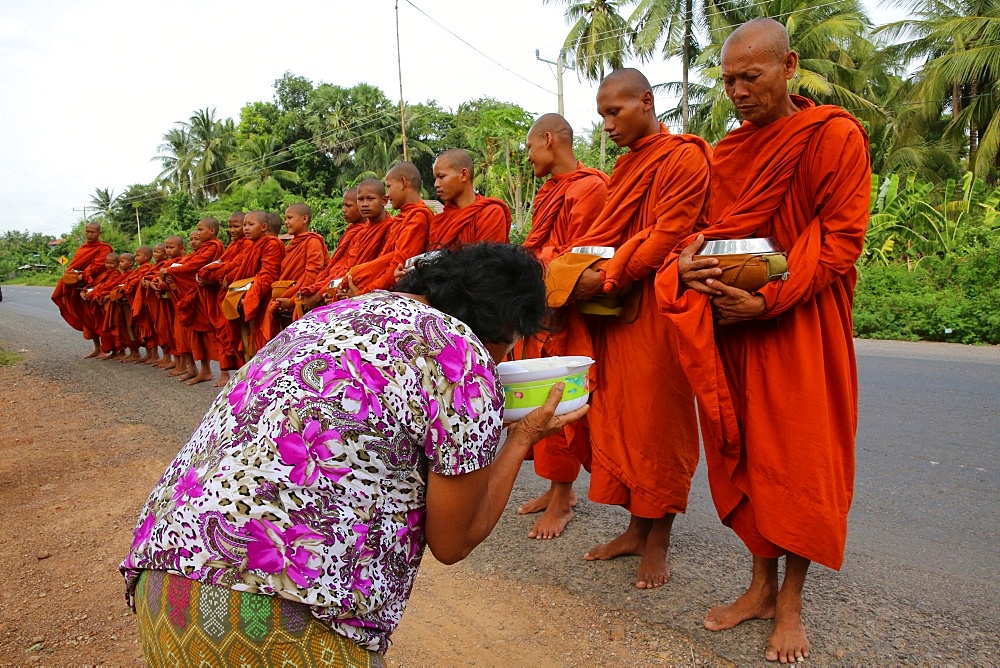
[{"x": 772, "y": 372}]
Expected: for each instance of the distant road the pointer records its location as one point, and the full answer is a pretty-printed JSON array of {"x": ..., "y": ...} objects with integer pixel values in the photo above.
[{"x": 921, "y": 579}]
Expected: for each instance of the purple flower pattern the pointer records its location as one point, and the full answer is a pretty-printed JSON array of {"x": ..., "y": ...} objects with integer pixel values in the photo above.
[{"x": 295, "y": 460}]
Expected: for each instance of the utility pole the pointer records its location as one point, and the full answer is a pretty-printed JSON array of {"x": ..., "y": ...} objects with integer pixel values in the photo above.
[
  {"x": 138, "y": 229},
  {"x": 402, "y": 105},
  {"x": 561, "y": 65},
  {"x": 84, "y": 210}
]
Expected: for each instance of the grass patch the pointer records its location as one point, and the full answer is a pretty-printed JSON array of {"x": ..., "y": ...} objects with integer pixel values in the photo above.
[
  {"x": 43, "y": 279},
  {"x": 8, "y": 357}
]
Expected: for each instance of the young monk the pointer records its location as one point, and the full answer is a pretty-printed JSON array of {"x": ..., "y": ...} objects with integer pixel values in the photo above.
[
  {"x": 349, "y": 248},
  {"x": 261, "y": 263},
  {"x": 97, "y": 297},
  {"x": 407, "y": 235},
  {"x": 150, "y": 307},
  {"x": 468, "y": 217},
  {"x": 192, "y": 321},
  {"x": 173, "y": 359},
  {"x": 779, "y": 435},
  {"x": 118, "y": 313},
  {"x": 305, "y": 258},
  {"x": 644, "y": 451},
  {"x": 88, "y": 259},
  {"x": 209, "y": 280},
  {"x": 564, "y": 208},
  {"x": 133, "y": 294}
]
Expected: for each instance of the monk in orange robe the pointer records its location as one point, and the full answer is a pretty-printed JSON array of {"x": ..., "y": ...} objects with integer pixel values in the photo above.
[
  {"x": 644, "y": 434},
  {"x": 468, "y": 217},
  {"x": 209, "y": 279},
  {"x": 117, "y": 316},
  {"x": 372, "y": 200},
  {"x": 564, "y": 208},
  {"x": 166, "y": 329},
  {"x": 262, "y": 263},
  {"x": 96, "y": 299},
  {"x": 406, "y": 238},
  {"x": 305, "y": 259},
  {"x": 146, "y": 308},
  {"x": 774, "y": 370},
  {"x": 132, "y": 290},
  {"x": 191, "y": 311},
  {"x": 87, "y": 259},
  {"x": 343, "y": 258}
]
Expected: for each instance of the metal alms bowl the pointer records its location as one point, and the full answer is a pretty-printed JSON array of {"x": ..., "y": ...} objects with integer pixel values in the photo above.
[
  {"x": 752, "y": 246},
  {"x": 606, "y": 252}
]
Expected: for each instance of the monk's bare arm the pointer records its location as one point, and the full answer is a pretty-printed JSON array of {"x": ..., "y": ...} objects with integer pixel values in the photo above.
[
  {"x": 463, "y": 509},
  {"x": 694, "y": 273}
]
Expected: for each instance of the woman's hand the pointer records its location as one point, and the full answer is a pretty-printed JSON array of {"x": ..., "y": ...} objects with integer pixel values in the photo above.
[{"x": 541, "y": 422}]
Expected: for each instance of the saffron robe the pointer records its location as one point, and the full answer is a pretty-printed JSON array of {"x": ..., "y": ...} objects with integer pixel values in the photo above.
[
  {"x": 485, "y": 219},
  {"x": 778, "y": 395},
  {"x": 192, "y": 322},
  {"x": 305, "y": 258},
  {"x": 564, "y": 208},
  {"x": 211, "y": 275},
  {"x": 406, "y": 237},
  {"x": 261, "y": 262},
  {"x": 87, "y": 259},
  {"x": 366, "y": 245},
  {"x": 644, "y": 434},
  {"x": 98, "y": 316},
  {"x": 139, "y": 321}
]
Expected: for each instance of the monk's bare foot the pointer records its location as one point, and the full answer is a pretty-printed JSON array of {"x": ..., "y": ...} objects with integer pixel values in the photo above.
[
  {"x": 200, "y": 378},
  {"x": 92, "y": 355},
  {"x": 654, "y": 569},
  {"x": 153, "y": 360},
  {"x": 542, "y": 502},
  {"x": 223, "y": 378},
  {"x": 559, "y": 503},
  {"x": 788, "y": 642},
  {"x": 751, "y": 605},
  {"x": 119, "y": 355},
  {"x": 630, "y": 542},
  {"x": 132, "y": 357},
  {"x": 105, "y": 356},
  {"x": 178, "y": 371},
  {"x": 187, "y": 375}
]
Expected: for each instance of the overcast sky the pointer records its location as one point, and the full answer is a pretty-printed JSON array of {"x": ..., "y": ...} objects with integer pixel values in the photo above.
[{"x": 87, "y": 90}]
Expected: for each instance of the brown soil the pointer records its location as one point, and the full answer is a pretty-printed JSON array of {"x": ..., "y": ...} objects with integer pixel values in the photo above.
[{"x": 71, "y": 485}]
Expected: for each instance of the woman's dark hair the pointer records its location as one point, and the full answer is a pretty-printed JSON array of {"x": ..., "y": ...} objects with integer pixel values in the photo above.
[{"x": 496, "y": 289}]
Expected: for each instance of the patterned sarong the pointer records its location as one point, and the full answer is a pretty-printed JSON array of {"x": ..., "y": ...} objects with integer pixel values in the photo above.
[{"x": 184, "y": 622}]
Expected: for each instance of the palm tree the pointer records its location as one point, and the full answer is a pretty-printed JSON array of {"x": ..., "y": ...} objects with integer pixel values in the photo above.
[
  {"x": 212, "y": 142},
  {"x": 102, "y": 200},
  {"x": 599, "y": 38},
  {"x": 823, "y": 34},
  {"x": 260, "y": 160},
  {"x": 177, "y": 156},
  {"x": 959, "y": 41}
]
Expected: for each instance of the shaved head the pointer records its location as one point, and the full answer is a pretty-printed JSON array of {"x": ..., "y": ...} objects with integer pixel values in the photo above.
[
  {"x": 457, "y": 158},
  {"x": 628, "y": 81},
  {"x": 274, "y": 224},
  {"x": 351, "y": 192},
  {"x": 408, "y": 171},
  {"x": 761, "y": 35},
  {"x": 554, "y": 124},
  {"x": 258, "y": 216},
  {"x": 374, "y": 184},
  {"x": 300, "y": 209},
  {"x": 210, "y": 223},
  {"x": 177, "y": 240}
]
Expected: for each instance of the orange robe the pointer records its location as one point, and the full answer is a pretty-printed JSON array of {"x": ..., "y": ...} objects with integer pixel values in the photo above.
[
  {"x": 88, "y": 258},
  {"x": 191, "y": 323},
  {"x": 406, "y": 237},
  {"x": 305, "y": 258},
  {"x": 138, "y": 316},
  {"x": 262, "y": 262},
  {"x": 644, "y": 434},
  {"x": 366, "y": 245},
  {"x": 211, "y": 275},
  {"x": 159, "y": 308},
  {"x": 99, "y": 320},
  {"x": 564, "y": 208},
  {"x": 778, "y": 395},
  {"x": 486, "y": 219},
  {"x": 118, "y": 316}
]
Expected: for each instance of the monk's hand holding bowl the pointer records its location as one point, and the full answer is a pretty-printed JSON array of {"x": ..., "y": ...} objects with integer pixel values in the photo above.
[
  {"x": 590, "y": 283},
  {"x": 347, "y": 289},
  {"x": 284, "y": 304},
  {"x": 695, "y": 274},
  {"x": 732, "y": 305}
]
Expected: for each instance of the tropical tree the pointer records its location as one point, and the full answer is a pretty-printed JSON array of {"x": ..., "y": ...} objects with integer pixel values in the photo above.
[
  {"x": 212, "y": 142},
  {"x": 103, "y": 200},
  {"x": 176, "y": 155},
  {"x": 599, "y": 39},
  {"x": 959, "y": 43},
  {"x": 260, "y": 159}
]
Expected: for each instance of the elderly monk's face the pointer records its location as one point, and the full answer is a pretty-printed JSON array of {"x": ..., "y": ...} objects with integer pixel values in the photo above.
[
  {"x": 449, "y": 181},
  {"x": 254, "y": 227},
  {"x": 350, "y": 210},
  {"x": 625, "y": 114},
  {"x": 92, "y": 233},
  {"x": 235, "y": 228},
  {"x": 756, "y": 78},
  {"x": 371, "y": 202},
  {"x": 540, "y": 154}
]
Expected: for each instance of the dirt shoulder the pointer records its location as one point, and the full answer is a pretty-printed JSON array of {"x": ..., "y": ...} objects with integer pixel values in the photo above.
[{"x": 76, "y": 468}]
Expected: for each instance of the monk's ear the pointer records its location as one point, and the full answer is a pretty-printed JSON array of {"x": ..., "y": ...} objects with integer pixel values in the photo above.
[
  {"x": 790, "y": 64},
  {"x": 647, "y": 100}
]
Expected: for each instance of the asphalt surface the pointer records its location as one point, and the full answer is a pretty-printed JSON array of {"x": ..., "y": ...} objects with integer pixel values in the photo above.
[{"x": 921, "y": 578}]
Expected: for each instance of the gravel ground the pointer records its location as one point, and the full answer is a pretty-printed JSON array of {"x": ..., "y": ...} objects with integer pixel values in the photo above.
[{"x": 886, "y": 606}]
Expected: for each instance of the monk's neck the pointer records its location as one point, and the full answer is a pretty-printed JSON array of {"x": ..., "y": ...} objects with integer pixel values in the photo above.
[
  {"x": 465, "y": 199},
  {"x": 565, "y": 165},
  {"x": 651, "y": 131},
  {"x": 376, "y": 221},
  {"x": 413, "y": 199}
]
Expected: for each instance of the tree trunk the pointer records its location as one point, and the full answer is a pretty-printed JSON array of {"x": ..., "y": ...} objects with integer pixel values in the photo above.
[
  {"x": 685, "y": 59},
  {"x": 604, "y": 134},
  {"x": 973, "y": 130}
]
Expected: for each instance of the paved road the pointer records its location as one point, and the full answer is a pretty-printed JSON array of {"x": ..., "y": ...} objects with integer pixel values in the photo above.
[{"x": 921, "y": 578}]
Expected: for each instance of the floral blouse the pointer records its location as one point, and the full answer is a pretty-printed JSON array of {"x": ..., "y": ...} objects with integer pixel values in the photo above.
[{"x": 307, "y": 477}]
